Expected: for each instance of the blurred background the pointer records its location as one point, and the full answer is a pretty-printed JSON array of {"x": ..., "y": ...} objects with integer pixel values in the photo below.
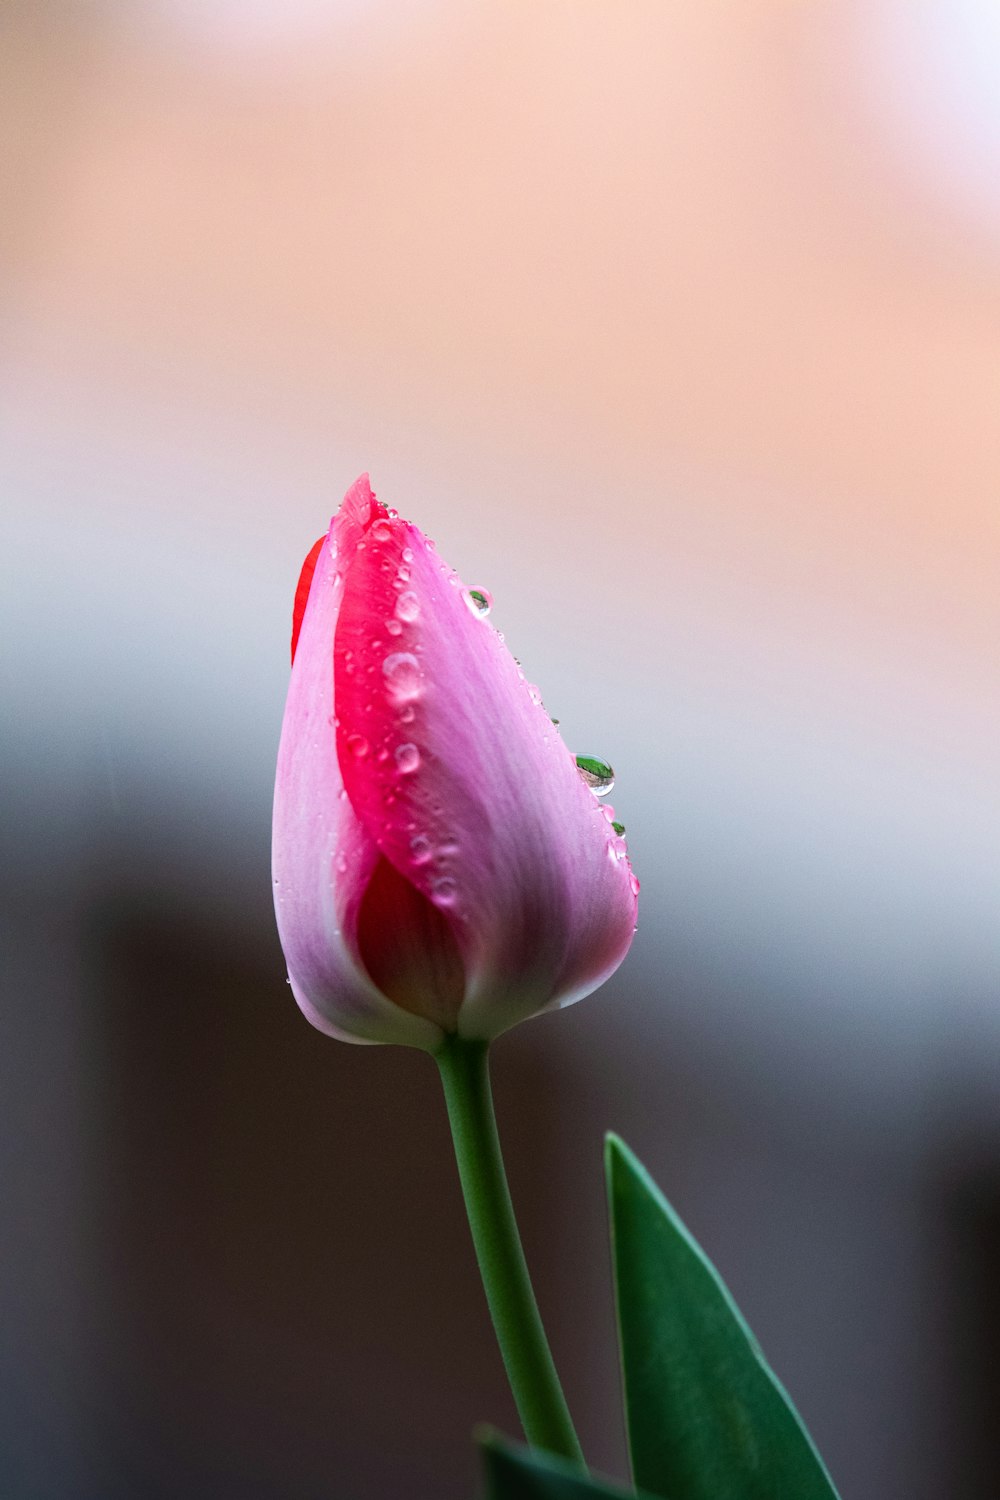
[{"x": 677, "y": 325}]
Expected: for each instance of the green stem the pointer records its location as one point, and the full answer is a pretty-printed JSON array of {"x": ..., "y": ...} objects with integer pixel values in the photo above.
[{"x": 540, "y": 1401}]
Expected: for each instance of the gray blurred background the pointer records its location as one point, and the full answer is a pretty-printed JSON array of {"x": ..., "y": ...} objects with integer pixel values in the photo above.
[{"x": 675, "y": 325}]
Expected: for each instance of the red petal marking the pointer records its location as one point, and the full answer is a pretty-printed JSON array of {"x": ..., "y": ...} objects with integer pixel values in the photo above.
[
  {"x": 302, "y": 592},
  {"x": 409, "y": 948}
]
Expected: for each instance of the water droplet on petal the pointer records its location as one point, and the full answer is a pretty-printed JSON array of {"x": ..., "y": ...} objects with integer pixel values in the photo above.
[
  {"x": 381, "y": 531},
  {"x": 634, "y": 886},
  {"x": 393, "y": 627},
  {"x": 534, "y": 694},
  {"x": 402, "y": 674},
  {"x": 420, "y": 849},
  {"x": 403, "y": 574},
  {"x": 357, "y": 745},
  {"x": 407, "y": 757},
  {"x": 444, "y": 891},
  {"x": 408, "y": 606},
  {"x": 407, "y": 714},
  {"x": 407, "y": 554},
  {"x": 596, "y": 773},
  {"x": 619, "y": 828},
  {"x": 480, "y": 601}
]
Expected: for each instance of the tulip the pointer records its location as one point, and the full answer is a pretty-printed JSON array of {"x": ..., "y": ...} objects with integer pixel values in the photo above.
[{"x": 440, "y": 864}]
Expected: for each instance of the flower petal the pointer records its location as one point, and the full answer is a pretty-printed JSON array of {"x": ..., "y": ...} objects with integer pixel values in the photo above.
[
  {"x": 302, "y": 591},
  {"x": 323, "y": 856},
  {"x": 460, "y": 778},
  {"x": 409, "y": 948}
]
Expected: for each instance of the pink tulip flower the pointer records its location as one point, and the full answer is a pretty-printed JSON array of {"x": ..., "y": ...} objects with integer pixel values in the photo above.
[{"x": 440, "y": 865}]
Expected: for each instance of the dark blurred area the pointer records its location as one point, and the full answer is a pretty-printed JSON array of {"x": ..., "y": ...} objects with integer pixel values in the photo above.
[{"x": 676, "y": 326}]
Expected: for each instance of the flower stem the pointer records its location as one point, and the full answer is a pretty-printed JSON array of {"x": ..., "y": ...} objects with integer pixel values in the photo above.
[{"x": 533, "y": 1380}]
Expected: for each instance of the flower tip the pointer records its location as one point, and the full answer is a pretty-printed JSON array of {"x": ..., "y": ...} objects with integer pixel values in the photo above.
[{"x": 359, "y": 505}]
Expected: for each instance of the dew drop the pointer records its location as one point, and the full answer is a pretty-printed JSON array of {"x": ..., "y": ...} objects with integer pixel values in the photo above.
[
  {"x": 407, "y": 757},
  {"x": 420, "y": 849},
  {"x": 407, "y": 554},
  {"x": 402, "y": 674},
  {"x": 619, "y": 828},
  {"x": 480, "y": 601},
  {"x": 342, "y": 863},
  {"x": 408, "y": 606},
  {"x": 393, "y": 627},
  {"x": 403, "y": 574},
  {"x": 596, "y": 773},
  {"x": 534, "y": 694},
  {"x": 634, "y": 886},
  {"x": 381, "y": 531},
  {"x": 444, "y": 890},
  {"x": 357, "y": 745},
  {"x": 407, "y": 714}
]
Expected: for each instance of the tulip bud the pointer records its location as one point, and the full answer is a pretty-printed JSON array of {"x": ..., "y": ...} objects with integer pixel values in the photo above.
[{"x": 440, "y": 865}]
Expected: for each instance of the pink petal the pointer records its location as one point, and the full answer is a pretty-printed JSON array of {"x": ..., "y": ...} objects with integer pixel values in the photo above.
[
  {"x": 465, "y": 786},
  {"x": 323, "y": 856}
]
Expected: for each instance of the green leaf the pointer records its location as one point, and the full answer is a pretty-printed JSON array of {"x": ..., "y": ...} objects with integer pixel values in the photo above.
[
  {"x": 707, "y": 1418},
  {"x": 516, "y": 1473}
]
